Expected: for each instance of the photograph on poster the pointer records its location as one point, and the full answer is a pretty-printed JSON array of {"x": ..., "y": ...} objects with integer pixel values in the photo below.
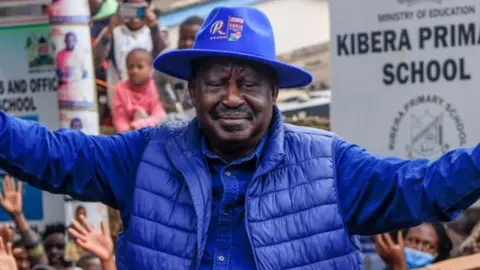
[
  {"x": 87, "y": 122},
  {"x": 94, "y": 212},
  {"x": 74, "y": 67}
]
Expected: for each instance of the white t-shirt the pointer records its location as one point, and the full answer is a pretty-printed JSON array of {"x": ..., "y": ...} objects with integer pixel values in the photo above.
[{"x": 125, "y": 40}]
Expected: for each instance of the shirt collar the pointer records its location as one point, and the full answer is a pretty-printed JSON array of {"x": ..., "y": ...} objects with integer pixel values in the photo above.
[{"x": 255, "y": 154}]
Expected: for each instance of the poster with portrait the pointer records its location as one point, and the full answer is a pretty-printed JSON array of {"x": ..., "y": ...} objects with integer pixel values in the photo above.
[
  {"x": 95, "y": 214},
  {"x": 74, "y": 67},
  {"x": 85, "y": 121}
]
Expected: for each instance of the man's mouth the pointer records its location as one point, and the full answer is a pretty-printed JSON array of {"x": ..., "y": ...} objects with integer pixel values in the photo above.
[{"x": 233, "y": 116}]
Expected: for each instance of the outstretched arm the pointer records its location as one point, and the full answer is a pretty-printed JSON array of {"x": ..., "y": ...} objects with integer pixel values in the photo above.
[
  {"x": 382, "y": 194},
  {"x": 89, "y": 168}
]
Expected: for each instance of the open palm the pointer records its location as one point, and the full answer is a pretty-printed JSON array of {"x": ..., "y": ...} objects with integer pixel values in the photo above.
[
  {"x": 99, "y": 243},
  {"x": 7, "y": 261},
  {"x": 11, "y": 199}
]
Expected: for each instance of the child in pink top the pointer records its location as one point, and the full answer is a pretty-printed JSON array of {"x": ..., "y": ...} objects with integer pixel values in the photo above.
[{"x": 135, "y": 102}]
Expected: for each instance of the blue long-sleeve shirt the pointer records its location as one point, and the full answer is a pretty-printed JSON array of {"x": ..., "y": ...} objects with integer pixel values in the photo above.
[
  {"x": 377, "y": 194},
  {"x": 227, "y": 243}
]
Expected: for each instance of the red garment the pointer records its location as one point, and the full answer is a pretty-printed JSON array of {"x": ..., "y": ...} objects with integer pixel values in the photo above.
[{"x": 128, "y": 99}]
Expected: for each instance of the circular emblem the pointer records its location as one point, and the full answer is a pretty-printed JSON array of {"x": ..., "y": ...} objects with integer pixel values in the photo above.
[{"x": 427, "y": 126}]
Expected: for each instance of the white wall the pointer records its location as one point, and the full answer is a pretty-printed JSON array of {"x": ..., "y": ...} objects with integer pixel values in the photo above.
[{"x": 297, "y": 23}]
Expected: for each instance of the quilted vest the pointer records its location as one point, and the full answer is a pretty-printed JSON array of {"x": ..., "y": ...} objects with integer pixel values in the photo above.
[{"x": 292, "y": 214}]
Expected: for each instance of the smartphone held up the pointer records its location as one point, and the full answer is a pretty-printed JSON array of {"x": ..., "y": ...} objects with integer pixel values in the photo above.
[{"x": 133, "y": 11}]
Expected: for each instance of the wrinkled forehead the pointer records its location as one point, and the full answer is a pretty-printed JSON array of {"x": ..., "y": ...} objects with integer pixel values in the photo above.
[{"x": 218, "y": 65}]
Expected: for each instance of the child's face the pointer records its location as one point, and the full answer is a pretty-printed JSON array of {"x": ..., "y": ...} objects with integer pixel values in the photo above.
[{"x": 139, "y": 68}]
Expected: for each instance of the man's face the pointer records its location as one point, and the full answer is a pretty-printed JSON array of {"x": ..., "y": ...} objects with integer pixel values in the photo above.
[
  {"x": 80, "y": 212},
  {"x": 55, "y": 249},
  {"x": 76, "y": 125},
  {"x": 135, "y": 23},
  {"x": 187, "y": 36},
  {"x": 70, "y": 41},
  {"x": 233, "y": 100},
  {"x": 21, "y": 257}
]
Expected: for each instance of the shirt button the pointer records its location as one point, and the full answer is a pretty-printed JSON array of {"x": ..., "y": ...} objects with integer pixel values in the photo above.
[
  {"x": 225, "y": 211},
  {"x": 221, "y": 258},
  {"x": 228, "y": 174}
]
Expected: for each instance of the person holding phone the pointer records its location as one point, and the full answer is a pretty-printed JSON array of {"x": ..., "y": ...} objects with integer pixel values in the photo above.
[{"x": 128, "y": 30}]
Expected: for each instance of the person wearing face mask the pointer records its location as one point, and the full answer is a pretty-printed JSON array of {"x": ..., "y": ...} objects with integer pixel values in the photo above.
[{"x": 417, "y": 247}]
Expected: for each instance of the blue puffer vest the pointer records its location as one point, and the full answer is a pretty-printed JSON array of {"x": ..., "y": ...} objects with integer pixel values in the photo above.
[{"x": 292, "y": 213}]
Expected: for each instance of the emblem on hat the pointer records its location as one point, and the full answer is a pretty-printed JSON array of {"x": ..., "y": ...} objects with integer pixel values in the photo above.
[{"x": 233, "y": 32}]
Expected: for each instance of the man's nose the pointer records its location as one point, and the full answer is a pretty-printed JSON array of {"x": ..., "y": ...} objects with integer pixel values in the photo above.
[{"x": 233, "y": 97}]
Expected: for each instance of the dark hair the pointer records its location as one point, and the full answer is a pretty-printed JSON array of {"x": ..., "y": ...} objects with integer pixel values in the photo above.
[
  {"x": 444, "y": 243},
  {"x": 139, "y": 50},
  {"x": 70, "y": 34},
  {"x": 54, "y": 228},
  {"x": 18, "y": 243},
  {"x": 192, "y": 20}
]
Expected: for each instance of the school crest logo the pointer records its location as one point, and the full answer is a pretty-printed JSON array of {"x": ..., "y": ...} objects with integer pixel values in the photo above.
[{"x": 427, "y": 126}]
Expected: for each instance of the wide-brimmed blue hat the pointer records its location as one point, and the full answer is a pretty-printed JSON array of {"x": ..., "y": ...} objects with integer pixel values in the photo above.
[{"x": 237, "y": 32}]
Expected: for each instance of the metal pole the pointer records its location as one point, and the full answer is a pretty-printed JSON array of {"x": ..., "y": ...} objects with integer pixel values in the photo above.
[{"x": 76, "y": 94}]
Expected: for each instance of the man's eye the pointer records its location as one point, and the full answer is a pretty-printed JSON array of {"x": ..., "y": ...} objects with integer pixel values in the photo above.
[{"x": 214, "y": 84}]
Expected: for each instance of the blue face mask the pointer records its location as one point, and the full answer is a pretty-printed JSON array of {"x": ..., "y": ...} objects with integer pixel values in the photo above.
[{"x": 417, "y": 259}]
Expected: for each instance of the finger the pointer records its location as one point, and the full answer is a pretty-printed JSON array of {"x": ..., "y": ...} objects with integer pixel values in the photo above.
[
  {"x": 82, "y": 243},
  {"x": 76, "y": 234},
  {"x": 103, "y": 228},
  {"x": 85, "y": 223},
  {"x": 389, "y": 240},
  {"x": 400, "y": 238},
  {"x": 9, "y": 182},
  {"x": 79, "y": 227},
  {"x": 10, "y": 234},
  {"x": 2, "y": 246},
  {"x": 380, "y": 242},
  {"x": 9, "y": 249},
  {"x": 4, "y": 183},
  {"x": 19, "y": 187}
]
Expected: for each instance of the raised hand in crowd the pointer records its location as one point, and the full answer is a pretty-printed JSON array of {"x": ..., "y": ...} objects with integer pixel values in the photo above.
[
  {"x": 392, "y": 253},
  {"x": 98, "y": 243},
  {"x": 11, "y": 201},
  {"x": 7, "y": 261}
]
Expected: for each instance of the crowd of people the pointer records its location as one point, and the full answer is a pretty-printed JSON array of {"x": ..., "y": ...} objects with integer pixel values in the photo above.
[
  {"x": 131, "y": 92},
  {"x": 140, "y": 97}
]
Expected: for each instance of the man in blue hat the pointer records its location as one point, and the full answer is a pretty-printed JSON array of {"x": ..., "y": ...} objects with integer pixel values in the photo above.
[{"x": 236, "y": 188}]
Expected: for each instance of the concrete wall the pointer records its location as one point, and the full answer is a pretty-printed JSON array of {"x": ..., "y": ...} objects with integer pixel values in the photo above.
[{"x": 297, "y": 23}]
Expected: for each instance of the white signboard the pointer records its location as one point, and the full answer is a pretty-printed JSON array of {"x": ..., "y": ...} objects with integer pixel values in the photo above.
[
  {"x": 406, "y": 75},
  {"x": 27, "y": 90}
]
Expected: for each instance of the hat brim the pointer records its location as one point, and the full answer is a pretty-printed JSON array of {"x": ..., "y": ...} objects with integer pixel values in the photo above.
[{"x": 177, "y": 63}]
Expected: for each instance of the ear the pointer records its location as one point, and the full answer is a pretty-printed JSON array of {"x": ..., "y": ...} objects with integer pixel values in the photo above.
[{"x": 274, "y": 94}]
